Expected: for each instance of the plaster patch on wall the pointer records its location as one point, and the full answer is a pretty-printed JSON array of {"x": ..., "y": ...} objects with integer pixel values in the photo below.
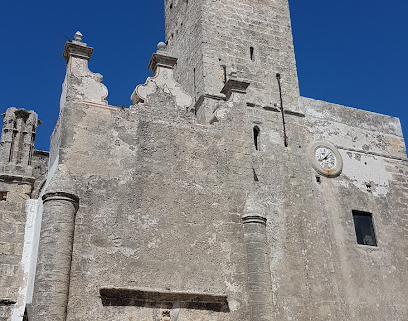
[
  {"x": 234, "y": 305},
  {"x": 89, "y": 87},
  {"x": 356, "y": 138},
  {"x": 125, "y": 251},
  {"x": 154, "y": 243},
  {"x": 366, "y": 169},
  {"x": 148, "y": 222},
  {"x": 232, "y": 287}
]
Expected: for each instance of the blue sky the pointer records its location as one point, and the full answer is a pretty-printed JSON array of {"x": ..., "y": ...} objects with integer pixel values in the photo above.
[{"x": 351, "y": 52}]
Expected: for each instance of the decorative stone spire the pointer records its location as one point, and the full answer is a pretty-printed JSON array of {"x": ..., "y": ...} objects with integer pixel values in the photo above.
[
  {"x": 88, "y": 85},
  {"x": 78, "y": 36},
  {"x": 162, "y": 59},
  {"x": 77, "y": 48}
]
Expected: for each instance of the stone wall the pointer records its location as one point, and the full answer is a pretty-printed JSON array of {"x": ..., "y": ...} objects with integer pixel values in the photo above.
[
  {"x": 319, "y": 271},
  {"x": 157, "y": 214},
  {"x": 12, "y": 226},
  {"x": 22, "y": 169}
]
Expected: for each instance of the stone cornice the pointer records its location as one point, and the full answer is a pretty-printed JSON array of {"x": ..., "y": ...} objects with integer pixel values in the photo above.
[
  {"x": 161, "y": 60},
  {"x": 77, "y": 49},
  {"x": 62, "y": 196}
]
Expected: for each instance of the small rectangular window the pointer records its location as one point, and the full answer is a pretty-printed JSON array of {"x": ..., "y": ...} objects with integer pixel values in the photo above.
[
  {"x": 3, "y": 196},
  {"x": 363, "y": 224}
]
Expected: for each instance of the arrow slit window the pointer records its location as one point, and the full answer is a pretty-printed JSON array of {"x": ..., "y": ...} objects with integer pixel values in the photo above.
[{"x": 256, "y": 133}]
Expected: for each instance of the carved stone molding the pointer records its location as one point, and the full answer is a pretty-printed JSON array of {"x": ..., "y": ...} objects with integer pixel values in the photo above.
[
  {"x": 234, "y": 86},
  {"x": 61, "y": 196}
]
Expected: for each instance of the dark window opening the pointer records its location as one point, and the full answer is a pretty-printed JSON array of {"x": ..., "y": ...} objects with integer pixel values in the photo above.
[
  {"x": 251, "y": 53},
  {"x": 25, "y": 317},
  {"x": 3, "y": 196},
  {"x": 363, "y": 224},
  {"x": 256, "y": 137}
]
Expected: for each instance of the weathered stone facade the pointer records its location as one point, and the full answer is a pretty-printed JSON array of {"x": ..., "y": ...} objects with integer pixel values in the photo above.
[
  {"x": 22, "y": 170},
  {"x": 220, "y": 194}
]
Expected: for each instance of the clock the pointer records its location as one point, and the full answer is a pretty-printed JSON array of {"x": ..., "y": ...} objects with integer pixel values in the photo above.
[{"x": 325, "y": 158}]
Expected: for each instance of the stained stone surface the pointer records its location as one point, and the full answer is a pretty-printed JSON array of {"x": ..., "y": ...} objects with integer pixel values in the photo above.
[
  {"x": 22, "y": 169},
  {"x": 167, "y": 211}
]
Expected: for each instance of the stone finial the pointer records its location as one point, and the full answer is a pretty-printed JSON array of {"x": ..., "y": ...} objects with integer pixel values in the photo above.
[
  {"x": 78, "y": 36},
  {"x": 77, "y": 48},
  {"x": 161, "y": 46}
]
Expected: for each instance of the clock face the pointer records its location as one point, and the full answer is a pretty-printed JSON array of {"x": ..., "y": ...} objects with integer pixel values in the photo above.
[{"x": 325, "y": 157}]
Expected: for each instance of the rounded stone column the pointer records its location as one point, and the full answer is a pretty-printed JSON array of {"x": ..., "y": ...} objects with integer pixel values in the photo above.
[
  {"x": 51, "y": 286},
  {"x": 259, "y": 274}
]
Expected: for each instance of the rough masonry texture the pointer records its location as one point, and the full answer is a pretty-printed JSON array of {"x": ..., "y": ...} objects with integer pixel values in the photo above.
[{"x": 220, "y": 194}]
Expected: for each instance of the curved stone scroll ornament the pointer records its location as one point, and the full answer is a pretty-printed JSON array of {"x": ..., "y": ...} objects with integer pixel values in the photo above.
[
  {"x": 87, "y": 85},
  {"x": 162, "y": 66}
]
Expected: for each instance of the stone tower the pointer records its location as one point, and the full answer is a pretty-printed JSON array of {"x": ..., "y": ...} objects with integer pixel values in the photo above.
[
  {"x": 220, "y": 194},
  {"x": 245, "y": 39},
  {"x": 20, "y": 176}
]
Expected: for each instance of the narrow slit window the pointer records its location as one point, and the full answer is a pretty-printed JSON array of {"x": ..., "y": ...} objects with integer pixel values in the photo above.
[
  {"x": 363, "y": 224},
  {"x": 255, "y": 176},
  {"x": 257, "y": 131},
  {"x": 251, "y": 53}
]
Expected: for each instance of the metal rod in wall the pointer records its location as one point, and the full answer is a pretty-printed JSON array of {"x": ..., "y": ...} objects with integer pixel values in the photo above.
[{"x": 285, "y": 137}]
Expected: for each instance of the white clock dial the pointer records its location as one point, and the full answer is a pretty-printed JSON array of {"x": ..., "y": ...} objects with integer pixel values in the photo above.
[{"x": 325, "y": 157}]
